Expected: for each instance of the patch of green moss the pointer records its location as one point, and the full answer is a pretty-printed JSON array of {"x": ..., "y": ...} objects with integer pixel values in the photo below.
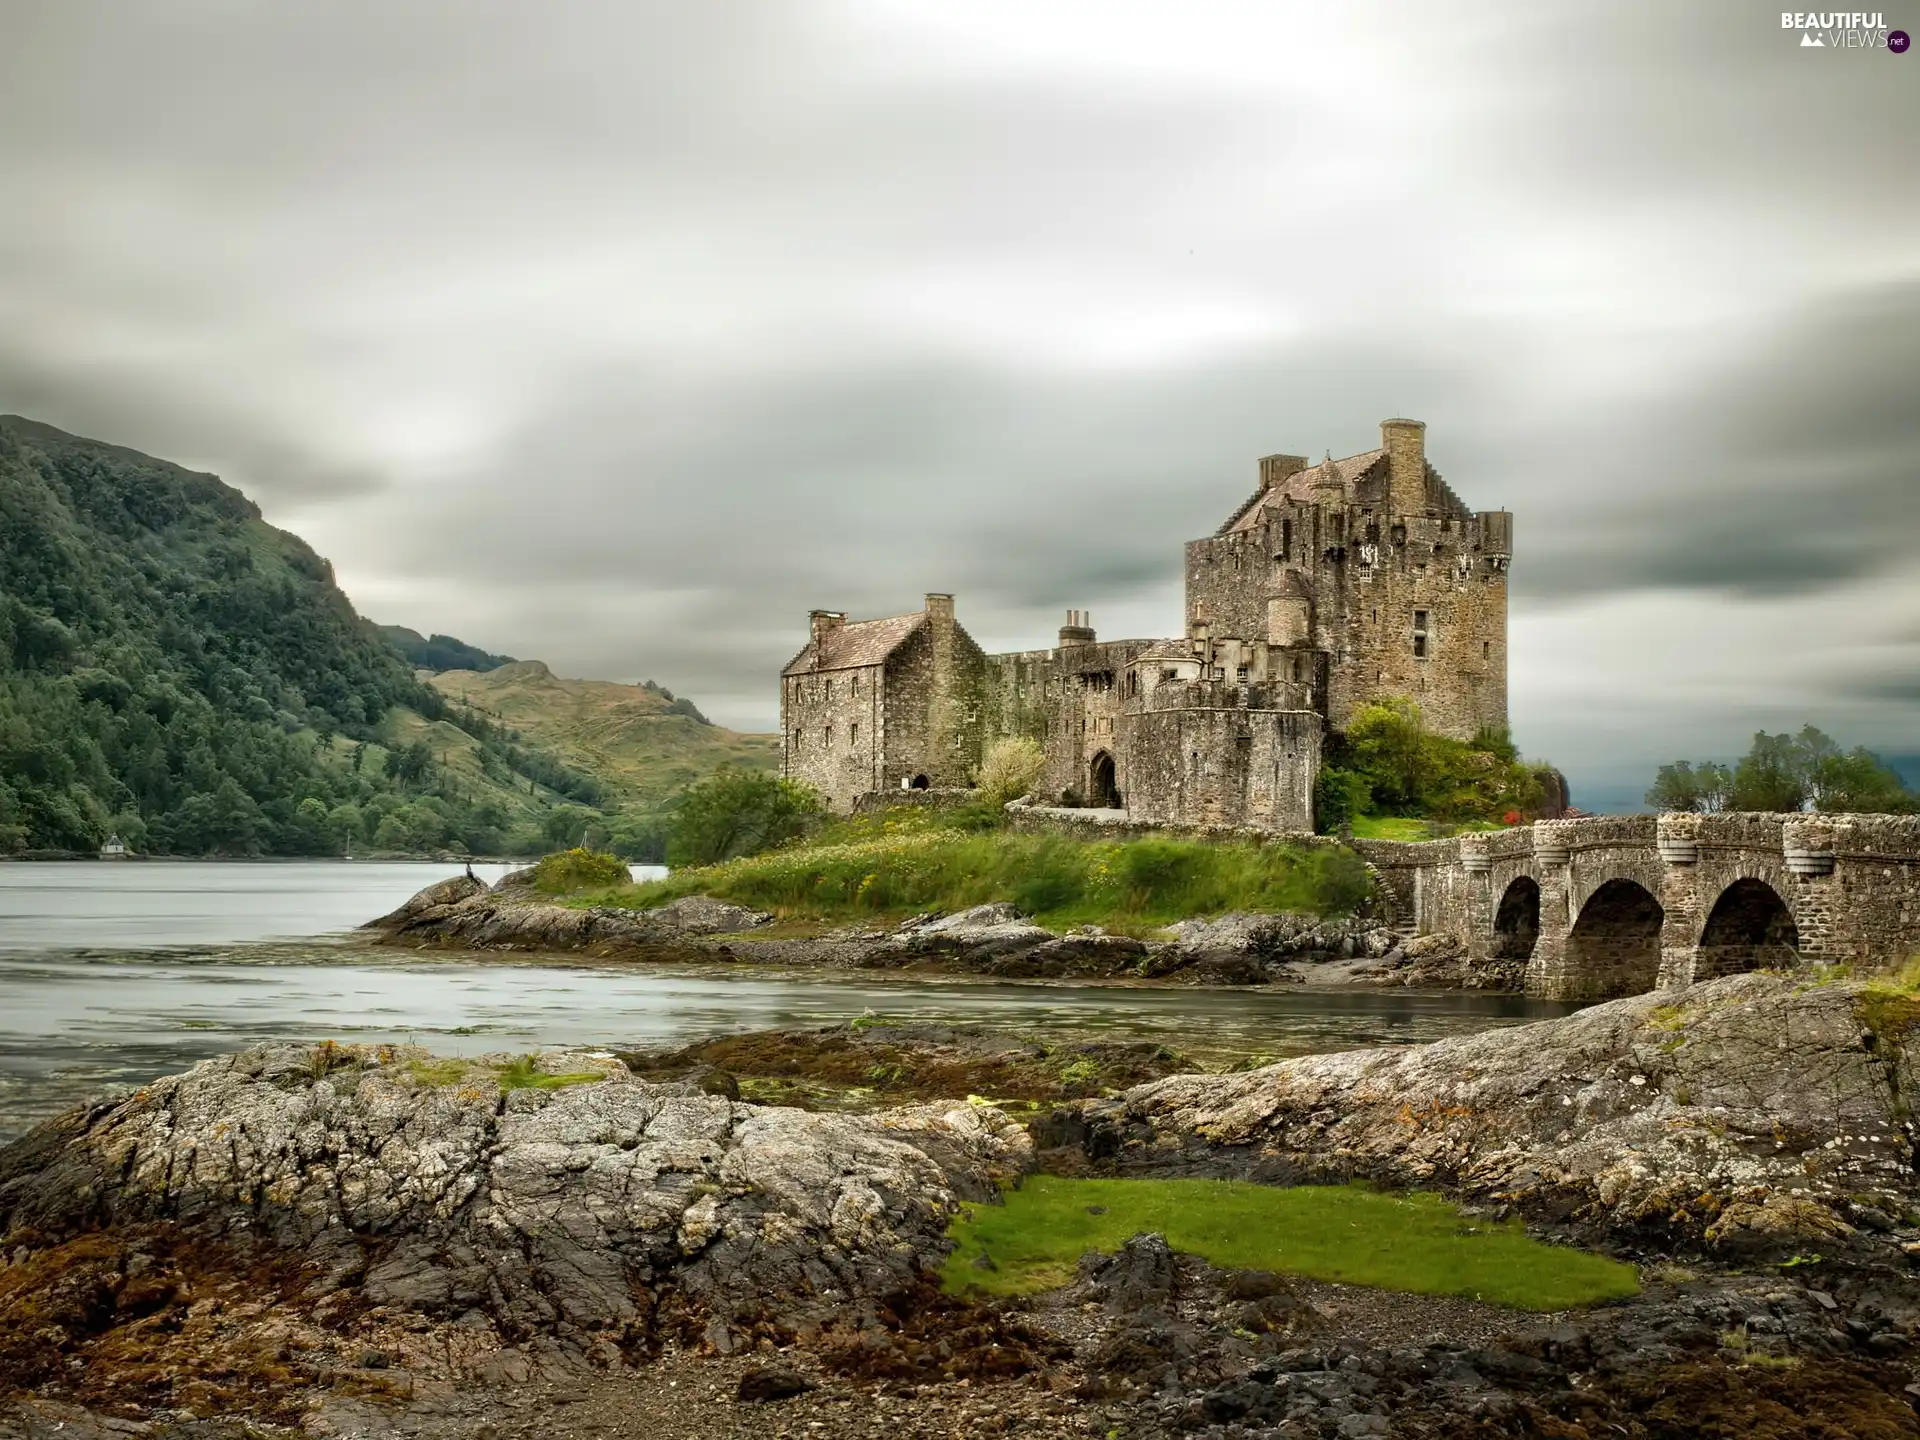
[
  {"x": 525, "y": 1074},
  {"x": 1351, "y": 1234}
]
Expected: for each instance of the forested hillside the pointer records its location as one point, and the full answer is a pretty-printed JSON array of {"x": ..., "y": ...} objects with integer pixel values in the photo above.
[
  {"x": 175, "y": 669},
  {"x": 439, "y": 652}
]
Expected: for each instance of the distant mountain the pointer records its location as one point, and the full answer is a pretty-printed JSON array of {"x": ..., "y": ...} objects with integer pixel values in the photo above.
[
  {"x": 640, "y": 741},
  {"x": 439, "y": 652},
  {"x": 174, "y": 669}
]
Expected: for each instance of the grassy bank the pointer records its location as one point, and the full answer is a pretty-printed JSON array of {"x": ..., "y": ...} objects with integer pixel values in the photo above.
[
  {"x": 904, "y": 864},
  {"x": 1417, "y": 1243}
]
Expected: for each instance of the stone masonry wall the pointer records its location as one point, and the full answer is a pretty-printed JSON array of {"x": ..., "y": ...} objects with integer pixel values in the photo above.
[{"x": 833, "y": 727}]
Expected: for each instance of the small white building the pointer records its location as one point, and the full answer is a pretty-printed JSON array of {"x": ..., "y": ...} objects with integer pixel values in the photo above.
[{"x": 114, "y": 849}]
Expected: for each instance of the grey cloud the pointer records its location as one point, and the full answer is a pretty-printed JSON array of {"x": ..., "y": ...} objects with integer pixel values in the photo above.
[{"x": 623, "y": 333}]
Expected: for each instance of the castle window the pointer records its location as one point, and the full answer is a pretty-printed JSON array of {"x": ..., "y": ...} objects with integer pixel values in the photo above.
[
  {"x": 1286, "y": 539},
  {"x": 854, "y": 683},
  {"x": 1169, "y": 673},
  {"x": 796, "y": 739},
  {"x": 1240, "y": 674},
  {"x": 853, "y": 734},
  {"x": 826, "y": 736},
  {"x": 1486, "y": 649},
  {"x": 829, "y": 690},
  {"x": 1419, "y": 634}
]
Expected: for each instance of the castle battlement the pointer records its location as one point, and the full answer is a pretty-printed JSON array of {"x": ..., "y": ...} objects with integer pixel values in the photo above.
[{"x": 1332, "y": 585}]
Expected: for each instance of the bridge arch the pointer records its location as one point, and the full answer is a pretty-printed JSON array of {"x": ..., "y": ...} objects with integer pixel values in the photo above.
[
  {"x": 1614, "y": 946},
  {"x": 1516, "y": 923},
  {"x": 1749, "y": 928}
]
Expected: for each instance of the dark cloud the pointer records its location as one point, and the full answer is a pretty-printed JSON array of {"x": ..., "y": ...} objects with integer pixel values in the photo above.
[{"x": 621, "y": 334}]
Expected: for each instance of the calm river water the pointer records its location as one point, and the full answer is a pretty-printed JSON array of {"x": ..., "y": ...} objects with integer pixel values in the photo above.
[{"x": 114, "y": 974}]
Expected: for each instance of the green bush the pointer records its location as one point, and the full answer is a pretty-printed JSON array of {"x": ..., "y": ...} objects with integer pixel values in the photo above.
[
  {"x": 1012, "y": 768},
  {"x": 566, "y": 871},
  {"x": 1388, "y": 754},
  {"x": 734, "y": 813}
]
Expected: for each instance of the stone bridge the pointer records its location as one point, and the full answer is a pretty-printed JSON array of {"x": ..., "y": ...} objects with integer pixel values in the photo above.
[{"x": 1617, "y": 904}]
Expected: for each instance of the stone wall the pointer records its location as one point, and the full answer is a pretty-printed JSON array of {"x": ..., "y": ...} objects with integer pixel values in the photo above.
[
  {"x": 933, "y": 699},
  {"x": 1210, "y": 761},
  {"x": 834, "y": 723}
]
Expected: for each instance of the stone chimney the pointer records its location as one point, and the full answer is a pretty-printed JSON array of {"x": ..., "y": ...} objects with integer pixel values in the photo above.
[
  {"x": 1405, "y": 442},
  {"x": 819, "y": 622},
  {"x": 1078, "y": 630},
  {"x": 1275, "y": 468}
]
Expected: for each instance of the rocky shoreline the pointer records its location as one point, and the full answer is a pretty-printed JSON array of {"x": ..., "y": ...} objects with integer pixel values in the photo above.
[
  {"x": 341, "y": 1241},
  {"x": 989, "y": 940}
]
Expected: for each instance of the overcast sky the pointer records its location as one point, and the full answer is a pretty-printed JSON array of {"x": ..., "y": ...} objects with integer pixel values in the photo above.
[{"x": 620, "y": 335}]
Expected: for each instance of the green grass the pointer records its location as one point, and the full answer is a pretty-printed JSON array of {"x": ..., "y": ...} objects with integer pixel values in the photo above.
[
  {"x": 1413, "y": 828},
  {"x": 903, "y": 865},
  {"x": 1418, "y": 1243}
]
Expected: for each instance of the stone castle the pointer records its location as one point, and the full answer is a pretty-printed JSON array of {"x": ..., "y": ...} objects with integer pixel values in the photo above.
[{"x": 1330, "y": 586}]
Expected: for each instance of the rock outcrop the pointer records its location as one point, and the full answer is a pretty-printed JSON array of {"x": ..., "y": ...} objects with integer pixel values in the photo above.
[
  {"x": 579, "y": 1214},
  {"x": 996, "y": 939},
  {"x": 511, "y": 915},
  {"x": 1750, "y": 1111}
]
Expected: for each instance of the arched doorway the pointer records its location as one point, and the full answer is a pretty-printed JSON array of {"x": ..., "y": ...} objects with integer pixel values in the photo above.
[
  {"x": 1614, "y": 947},
  {"x": 1749, "y": 928},
  {"x": 920, "y": 782},
  {"x": 1103, "y": 792},
  {"x": 1516, "y": 924}
]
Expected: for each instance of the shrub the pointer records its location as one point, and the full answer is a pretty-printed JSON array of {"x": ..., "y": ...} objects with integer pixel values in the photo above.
[
  {"x": 569, "y": 870},
  {"x": 739, "y": 812},
  {"x": 1406, "y": 769},
  {"x": 1012, "y": 768}
]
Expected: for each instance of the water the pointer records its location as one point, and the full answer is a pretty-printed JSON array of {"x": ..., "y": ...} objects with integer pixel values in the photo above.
[{"x": 115, "y": 974}]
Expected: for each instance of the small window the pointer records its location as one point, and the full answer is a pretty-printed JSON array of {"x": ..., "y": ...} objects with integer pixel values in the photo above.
[
  {"x": 1169, "y": 673},
  {"x": 826, "y": 736},
  {"x": 1419, "y": 634},
  {"x": 854, "y": 685},
  {"x": 1240, "y": 674},
  {"x": 1286, "y": 539},
  {"x": 853, "y": 733},
  {"x": 796, "y": 739},
  {"x": 1486, "y": 649}
]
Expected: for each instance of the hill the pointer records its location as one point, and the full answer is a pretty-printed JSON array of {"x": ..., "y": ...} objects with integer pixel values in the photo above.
[
  {"x": 640, "y": 741},
  {"x": 175, "y": 669},
  {"x": 439, "y": 652}
]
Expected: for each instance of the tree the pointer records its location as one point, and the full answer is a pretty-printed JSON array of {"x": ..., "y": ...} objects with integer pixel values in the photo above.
[
  {"x": 1786, "y": 773},
  {"x": 1681, "y": 786},
  {"x": 1011, "y": 768},
  {"x": 739, "y": 812}
]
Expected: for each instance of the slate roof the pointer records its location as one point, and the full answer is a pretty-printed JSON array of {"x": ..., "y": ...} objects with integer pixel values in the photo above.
[
  {"x": 855, "y": 643},
  {"x": 1301, "y": 485}
]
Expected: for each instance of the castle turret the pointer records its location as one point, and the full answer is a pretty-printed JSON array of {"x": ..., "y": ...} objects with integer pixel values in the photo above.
[{"x": 1405, "y": 442}]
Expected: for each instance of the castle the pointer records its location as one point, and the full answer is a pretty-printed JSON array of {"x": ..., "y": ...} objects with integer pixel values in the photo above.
[{"x": 1332, "y": 585}]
